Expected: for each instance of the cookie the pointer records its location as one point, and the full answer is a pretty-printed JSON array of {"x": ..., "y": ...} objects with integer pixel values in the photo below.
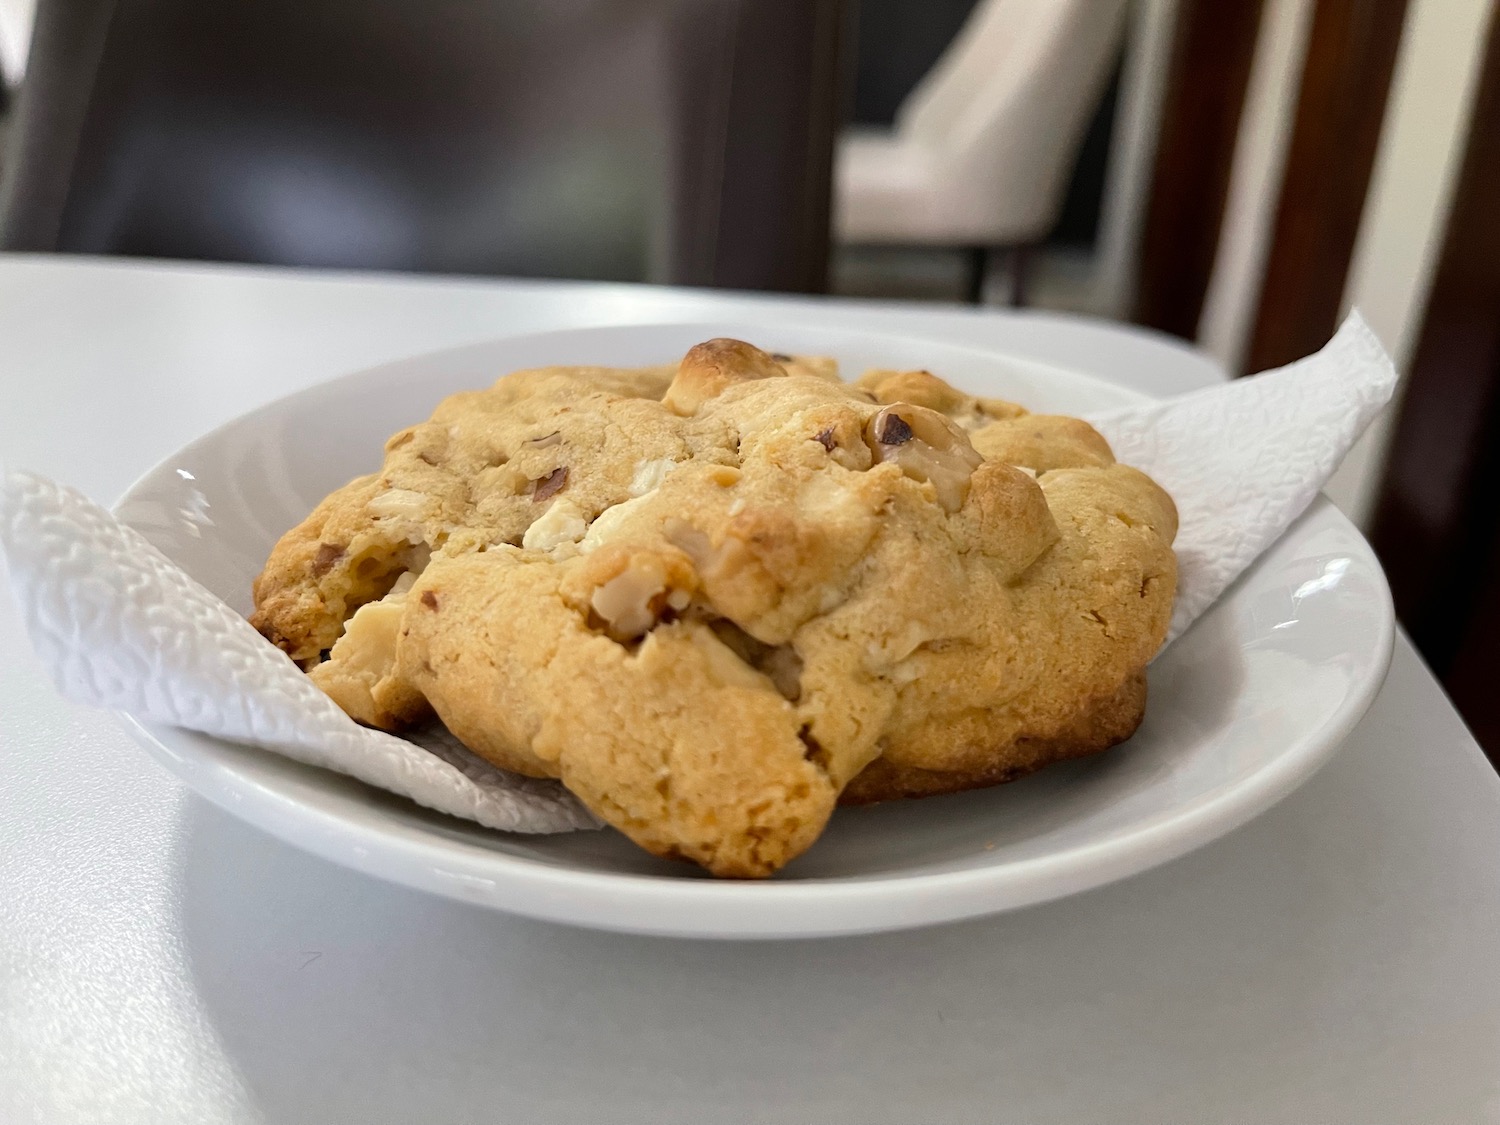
[{"x": 717, "y": 599}]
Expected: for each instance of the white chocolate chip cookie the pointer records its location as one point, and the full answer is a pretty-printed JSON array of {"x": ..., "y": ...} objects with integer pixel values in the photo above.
[{"x": 717, "y": 599}]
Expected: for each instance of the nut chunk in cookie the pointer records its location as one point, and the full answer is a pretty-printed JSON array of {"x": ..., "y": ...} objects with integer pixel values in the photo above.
[{"x": 718, "y": 600}]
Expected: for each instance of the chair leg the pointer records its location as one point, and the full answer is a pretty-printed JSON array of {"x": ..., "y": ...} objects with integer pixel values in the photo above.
[
  {"x": 1020, "y": 265},
  {"x": 977, "y": 259}
]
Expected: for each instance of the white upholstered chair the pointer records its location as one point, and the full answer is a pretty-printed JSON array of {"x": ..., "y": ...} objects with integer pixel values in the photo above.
[
  {"x": 983, "y": 147},
  {"x": 15, "y": 35}
]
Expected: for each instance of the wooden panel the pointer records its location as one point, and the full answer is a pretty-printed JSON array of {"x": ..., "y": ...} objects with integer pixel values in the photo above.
[
  {"x": 1437, "y": 520},
  {"x": 1212, "y": 48},
  {"x": 701, "y": 136},
  {"x": 1351, "y": 53},
  {"x": 783, "y": 128}
]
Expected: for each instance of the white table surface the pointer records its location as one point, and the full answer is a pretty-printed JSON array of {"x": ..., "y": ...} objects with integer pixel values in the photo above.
[{"x": 1336, "y": 960}]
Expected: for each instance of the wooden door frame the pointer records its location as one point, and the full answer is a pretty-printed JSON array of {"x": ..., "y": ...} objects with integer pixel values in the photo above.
[
  {"x": 1437, "y": 516},
  {"x": 1346, "y": 78},
  {"x": 1342, "y": 90},
  {"x": 1213, "y": 45}
]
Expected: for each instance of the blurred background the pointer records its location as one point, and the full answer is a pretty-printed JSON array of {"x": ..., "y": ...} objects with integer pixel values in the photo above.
[{"x": 1237, "y": 173}]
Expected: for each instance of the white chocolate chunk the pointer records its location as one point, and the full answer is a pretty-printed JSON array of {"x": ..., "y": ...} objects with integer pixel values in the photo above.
[
  {"x": 649, "y": 475},
  {"x": 562, "y": 523},
  {"x": 400, "y": 503}
]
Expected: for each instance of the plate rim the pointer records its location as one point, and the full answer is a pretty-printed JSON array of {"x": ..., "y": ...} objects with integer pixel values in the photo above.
[{"x": 739, "y": 910}]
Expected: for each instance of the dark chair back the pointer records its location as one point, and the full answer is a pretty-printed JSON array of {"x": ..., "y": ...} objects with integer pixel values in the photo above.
[{"x": 686, "y": 141}]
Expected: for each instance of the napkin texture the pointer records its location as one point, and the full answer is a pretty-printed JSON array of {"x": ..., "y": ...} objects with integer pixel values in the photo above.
[{"x": 120, "y": 626}]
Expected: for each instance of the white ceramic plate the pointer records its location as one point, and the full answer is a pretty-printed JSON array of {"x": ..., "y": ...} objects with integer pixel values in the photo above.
[{"x": 1243, "y": 708}]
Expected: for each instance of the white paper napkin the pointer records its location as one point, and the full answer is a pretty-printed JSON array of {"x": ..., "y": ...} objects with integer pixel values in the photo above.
[{"x": 121, "y": 627}]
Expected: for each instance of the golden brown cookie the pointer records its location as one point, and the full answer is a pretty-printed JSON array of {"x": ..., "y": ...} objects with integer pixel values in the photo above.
[{"x": 716, "y": 599}]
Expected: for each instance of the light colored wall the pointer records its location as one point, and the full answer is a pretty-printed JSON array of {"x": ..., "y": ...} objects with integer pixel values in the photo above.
[
  {"x": 15, "y": 37},
  {"x": 1411, "y": 188},
  {"x": 1255, "y": 181},
  {"x": 1401, "y": 230},
  {"x": 1132, "y": 153}
]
